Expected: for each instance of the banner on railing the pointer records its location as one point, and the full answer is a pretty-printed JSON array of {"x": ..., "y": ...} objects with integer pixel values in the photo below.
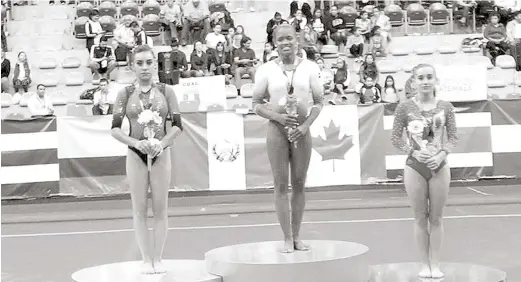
[
  {"x": 226, "y": 151},
  {"x": 462, "y": 82}
]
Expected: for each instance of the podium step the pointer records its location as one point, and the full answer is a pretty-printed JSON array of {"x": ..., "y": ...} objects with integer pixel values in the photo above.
[
  {"x": 177, "y": 271},
  {"x": 454, "y": 272},
  {"x": 327, "y": 261}
]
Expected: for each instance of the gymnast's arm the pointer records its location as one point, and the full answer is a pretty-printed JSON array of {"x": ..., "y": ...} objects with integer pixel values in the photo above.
[
  {"x": 317, "y": 91},
  {"x": 400, "y": 122},
  {"x": 120, "y": 108},
  {"x": 452, "y": 130},
  {"x": 177, "y": 126},
  {"x": 260, "y": 95}
]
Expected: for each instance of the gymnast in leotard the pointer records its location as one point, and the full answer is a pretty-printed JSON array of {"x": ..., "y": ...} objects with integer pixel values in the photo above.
[
  {"x": 288, "y": 74},
  {"x": 131, "y": 101},
  {"x": 431, "y": 135}
]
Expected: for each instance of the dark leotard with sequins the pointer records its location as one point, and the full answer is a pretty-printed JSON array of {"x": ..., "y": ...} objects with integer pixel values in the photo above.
[{"x": 128, "y": 104}]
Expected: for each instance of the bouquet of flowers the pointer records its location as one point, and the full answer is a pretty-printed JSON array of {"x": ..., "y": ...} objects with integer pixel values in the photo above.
[
  {"x": 422, "y": 134},
  {"x": 151, "y": 120},
  {"x": 291, "y": 108}
]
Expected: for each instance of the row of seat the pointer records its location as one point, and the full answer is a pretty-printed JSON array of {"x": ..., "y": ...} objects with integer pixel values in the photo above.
[{"x": 109, "y": 8}]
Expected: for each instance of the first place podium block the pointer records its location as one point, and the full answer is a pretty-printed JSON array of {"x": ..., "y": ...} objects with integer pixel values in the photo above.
[{"x": 327, "y": 261}]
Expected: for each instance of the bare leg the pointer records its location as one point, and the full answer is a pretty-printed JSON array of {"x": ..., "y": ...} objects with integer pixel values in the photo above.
[
  {"x": 137, "y": 175},
  {"x": 438, "y": 194},
  {"x": 300, "y": 158},
  {"x": 277, "y": 146},
  {"x": 416, "y": 187},
  {"x": 160, "y": 184}
]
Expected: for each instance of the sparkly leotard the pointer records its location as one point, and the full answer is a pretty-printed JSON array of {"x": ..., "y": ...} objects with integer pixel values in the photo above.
[
  {"x": 436, "y": 124},
  {"x": 128, "y": 103}
]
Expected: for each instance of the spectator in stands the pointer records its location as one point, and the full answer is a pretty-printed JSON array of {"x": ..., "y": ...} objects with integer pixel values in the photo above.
[
  {"x": 237, "y": 38},
  {"x": 102, "y": 59},
  {"x": 364, "y": 23},
  {"x": 369, "y": 93},
  {"x": 178, "y": 59},
  {"x": 384, "y": 22},
  {"x": 22, "y": 74},
  {"x": 221, "y": 62},
  {"x": 341, "y": 80},
  {"x": 507, "y": 9},
  {"x": 272, "y": 25},
  {"x": 390, "y": 94},
  {"x": 355, "y": 43},
  {"x": 465, "y": 6},
  {"x": 125, "y": 39},
  {"x": 224, "y": 19},
  {"x": 496, "y": 35},
  {"x": 40, "y": 104},
  {"x": 308, "y": 39},
  {"x": 93, "y": 29},
  {"x": 244, "y": 58},
  {"x": 214, "y": 38},
  {"x": 368, "y": 69},
  {"x": 171, "y": 17},
  {"x": 198, "y": 61},
  {"x": 140, "y": 36},
  {"x": 336, "y": 26},
  {"x": 195, "y": 14},
  {"x": 514, "y": 39},
  {"x": 298, "y": 21},
  {"x": 317, "y": 24},
  {"x": 269, "y": 52},
  {"x": 377, "y": 41},
  {"x": 326, "y": 76},
  {"x": 302, "y": 6},
  {"x": 6, "y": 70},
  {"x": 101, "y": 102}
]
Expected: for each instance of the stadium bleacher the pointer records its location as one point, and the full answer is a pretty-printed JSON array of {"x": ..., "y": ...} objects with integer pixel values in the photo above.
[{"x": 59, "y": 59}]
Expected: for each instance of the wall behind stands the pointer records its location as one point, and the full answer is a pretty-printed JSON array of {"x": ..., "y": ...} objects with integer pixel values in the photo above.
[{"x": 227, "y": 151}]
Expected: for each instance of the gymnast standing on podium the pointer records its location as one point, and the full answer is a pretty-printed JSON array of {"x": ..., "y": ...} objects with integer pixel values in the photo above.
[
  {"x": 431, "y": 135},
  {"x": 288, "y": 93},
  {"x": 148, "y": 162}
]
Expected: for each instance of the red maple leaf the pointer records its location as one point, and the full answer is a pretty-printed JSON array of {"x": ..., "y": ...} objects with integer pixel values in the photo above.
[{"x": 332, "y": 148}]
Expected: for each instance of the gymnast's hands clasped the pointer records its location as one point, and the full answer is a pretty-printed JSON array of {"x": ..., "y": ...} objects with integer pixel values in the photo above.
[
  {"x": 429, "y": 158},
  {"x": 145, "y": 147}
]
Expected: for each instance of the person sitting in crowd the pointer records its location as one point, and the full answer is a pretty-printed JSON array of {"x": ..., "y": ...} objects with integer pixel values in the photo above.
[
  {"x": 178, "y": 59},
  {"x": 377, "y": 41},
  {"x": 214, "y": 38},
  {"x": 124, "y": 38},
  {"x": 341, "y": 79},
  {"x": 298, "y": 21},
  {"x": 140, "y": 36},
  {"x": 244, "y": 58},
  {"x": 507, "y": 9},
  {"x": 224, "y": 19},
  {"x": 102, "y": 59},
  {"x": 464, "y": 6},
  {"x": 198, "y": 61},
  {"x": 496, "y": 35},
  {"x": 195, "y": 14},
  {"x": 389, "y": 94},
  {"x": 237, "y": 38},
  {"x": 22, "y": 76},
  {"x": 302, "y": 6},
  {"x": 368, "y": 69},
  {"x": 318, "y": 26},
  {"x": 171, "y": 19},
  {"x": 337, "y": 28},
  {"x": 364, "y": 23},
  {"x": 272, "y": 25},
  {"x": 269, "y": 52},
  {"x": 221, "y": 62},
  {"x": 40, "y": 104},
  {"x": 355, "y": 43},
  {"x": 369, "y": 93},
  {"x": 93, "y": 29},
  {"x": 308, "y": 39},
  {"x": 326, "y": 76},
  {"x": 102, "y": 104},
  {"x": 514, "y": 39},
  {"x": 384, "y": 22},
  {"x": 6, "y": 71}
]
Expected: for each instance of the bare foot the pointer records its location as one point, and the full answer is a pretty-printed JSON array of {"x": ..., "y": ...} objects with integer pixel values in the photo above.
[
  {"x": 147, "y": 268},
  {"x": 436, "y": 272},
  {"x": 425, "y": 272},
  {"x": 159, "y": 267},
  {"x": 288, "y": 247},
  {"x": 300, "y": 246}
]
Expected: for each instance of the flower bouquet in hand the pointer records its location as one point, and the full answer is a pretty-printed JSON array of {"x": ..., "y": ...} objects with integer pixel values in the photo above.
[
  {"x": 151, "y": 120},
  {"x": 291, "y": 108}
]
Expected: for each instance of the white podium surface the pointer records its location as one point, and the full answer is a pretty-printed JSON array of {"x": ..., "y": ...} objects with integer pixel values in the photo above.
[
  {"x": 454, "y": 272},
  {"x": 177, "y": 271},
  {"x": 327, "y": 261}
]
